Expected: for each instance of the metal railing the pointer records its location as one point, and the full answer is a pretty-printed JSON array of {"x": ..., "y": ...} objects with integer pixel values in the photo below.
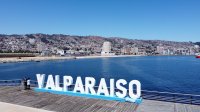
[
  {"x": 149, "y": 95},
  {"x": 14, "y": 82},
  {"x": 171, "y": 97}
]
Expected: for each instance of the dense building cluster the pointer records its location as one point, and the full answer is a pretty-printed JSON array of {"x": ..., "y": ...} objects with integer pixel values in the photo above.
[{"x": 58, "y": 44}]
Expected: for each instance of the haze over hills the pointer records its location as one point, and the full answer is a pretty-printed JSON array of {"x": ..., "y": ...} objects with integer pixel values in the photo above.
[{"x": 91, "y": 45}]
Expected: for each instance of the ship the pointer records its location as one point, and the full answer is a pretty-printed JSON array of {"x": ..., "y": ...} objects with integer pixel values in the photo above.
[{"x": 198, "y": 55}]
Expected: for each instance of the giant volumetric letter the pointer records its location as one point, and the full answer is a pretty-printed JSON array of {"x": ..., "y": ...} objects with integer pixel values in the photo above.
[{"x": 138, "y": 89}]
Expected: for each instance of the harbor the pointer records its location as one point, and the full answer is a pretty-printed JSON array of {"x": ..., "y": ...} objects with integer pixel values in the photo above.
[
  {"x": 155, "y": 93},
  {"x": 156, "y": 73}
]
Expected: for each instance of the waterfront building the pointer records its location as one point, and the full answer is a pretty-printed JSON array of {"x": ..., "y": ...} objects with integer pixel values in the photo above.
[
  {"x": 160, "y": 50},
  {"x": 142, "y": 51},
  {"x": 70, "y": 52},
  {"x": 134, "y": 50},
  {"x": 129, "y": 50},
  {"x": 182, "y": 51},
  {"x": 45, "y": 53},
  {"x": 126, "y": 50},
  {"x": 106, "y": 49}
]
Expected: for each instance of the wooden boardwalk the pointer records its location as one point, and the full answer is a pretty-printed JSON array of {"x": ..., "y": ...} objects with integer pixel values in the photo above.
[{"x": 61, "y": 103}]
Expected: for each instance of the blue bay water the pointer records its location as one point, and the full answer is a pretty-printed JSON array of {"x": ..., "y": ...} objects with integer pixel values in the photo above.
[{"x": 157, "y": 73}]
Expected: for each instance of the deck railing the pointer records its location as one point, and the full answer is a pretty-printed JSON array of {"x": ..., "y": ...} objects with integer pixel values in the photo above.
[
  {"x": 149, "y": 95},
  {"x": 171, "y": 97},
  {"x": 14, "y": 82}
]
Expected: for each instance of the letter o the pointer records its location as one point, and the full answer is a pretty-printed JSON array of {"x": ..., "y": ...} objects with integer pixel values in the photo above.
[{"x": 138, "y": 90}]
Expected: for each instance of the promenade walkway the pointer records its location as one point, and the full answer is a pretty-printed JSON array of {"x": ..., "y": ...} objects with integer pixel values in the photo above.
[
  {"x": 160, "y": 106},
  {"x": 62, "y": 103}
]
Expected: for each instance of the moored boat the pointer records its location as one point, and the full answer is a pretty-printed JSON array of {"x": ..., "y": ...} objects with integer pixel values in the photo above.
[{"x": 198, "y": 55}]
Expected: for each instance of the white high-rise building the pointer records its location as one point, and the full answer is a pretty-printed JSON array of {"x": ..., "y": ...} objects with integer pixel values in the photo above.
[{"x": 106, "y": 49}]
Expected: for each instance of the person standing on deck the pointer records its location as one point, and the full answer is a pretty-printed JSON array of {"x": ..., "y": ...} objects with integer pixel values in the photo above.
[
  {"x": 25, "y": 83},
  {"x": 28, "y": 83}
]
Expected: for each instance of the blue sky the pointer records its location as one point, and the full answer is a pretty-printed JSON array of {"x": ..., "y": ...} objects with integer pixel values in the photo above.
[{"x": 177, "y": 20}]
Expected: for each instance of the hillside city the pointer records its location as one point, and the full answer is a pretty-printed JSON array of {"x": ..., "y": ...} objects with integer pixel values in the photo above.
[{"x": 66, "y": 45}]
